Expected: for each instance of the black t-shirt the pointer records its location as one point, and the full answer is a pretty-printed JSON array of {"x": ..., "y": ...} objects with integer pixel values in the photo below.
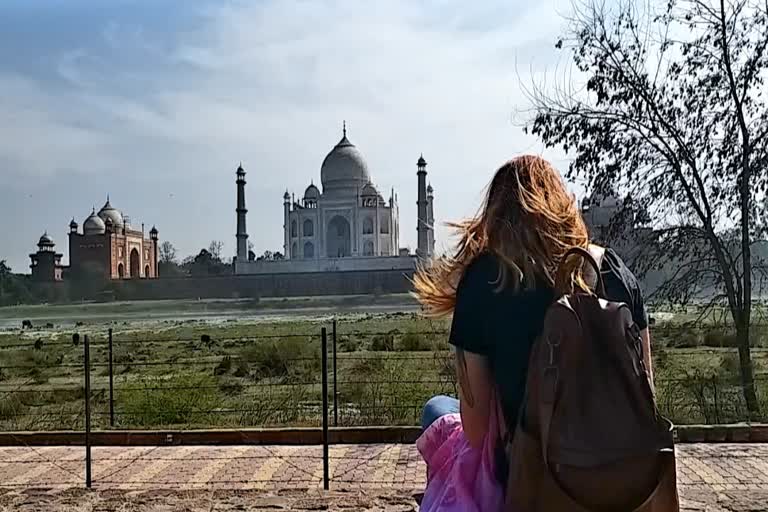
[{"x": 503, "y": 324}]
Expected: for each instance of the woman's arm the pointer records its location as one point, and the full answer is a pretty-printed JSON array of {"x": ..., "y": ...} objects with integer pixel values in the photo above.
[
  {"x": 475, "y": 384},
  {"x": 645, "y": 337}
]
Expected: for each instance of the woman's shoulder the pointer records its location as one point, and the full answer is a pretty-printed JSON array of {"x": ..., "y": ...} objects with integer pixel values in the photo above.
[
  {"x": 614, "y": 264},
  {"x": 484, "y": 272},
  {"x": 481, "y": 272}
]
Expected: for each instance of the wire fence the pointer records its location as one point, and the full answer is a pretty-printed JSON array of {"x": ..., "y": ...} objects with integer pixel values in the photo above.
[{"x": 328, "y": 378}]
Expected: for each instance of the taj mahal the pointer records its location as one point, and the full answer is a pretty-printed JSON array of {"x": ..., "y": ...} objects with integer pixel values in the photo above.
[{"x": 347, "y": 225}]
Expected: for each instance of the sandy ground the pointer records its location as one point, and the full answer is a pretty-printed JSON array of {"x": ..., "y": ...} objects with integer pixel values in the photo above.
[{"x": 81, "y": 500}]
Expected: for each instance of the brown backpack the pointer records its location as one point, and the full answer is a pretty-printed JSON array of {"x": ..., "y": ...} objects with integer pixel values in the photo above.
[{"x": 589, "y": 437}]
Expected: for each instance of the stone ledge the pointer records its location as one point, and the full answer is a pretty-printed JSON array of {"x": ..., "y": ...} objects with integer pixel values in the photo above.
[{"x": 738, "y": 433}]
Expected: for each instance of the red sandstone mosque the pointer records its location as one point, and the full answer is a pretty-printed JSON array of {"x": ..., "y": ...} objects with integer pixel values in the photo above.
[{"x": 108, "y": 246}]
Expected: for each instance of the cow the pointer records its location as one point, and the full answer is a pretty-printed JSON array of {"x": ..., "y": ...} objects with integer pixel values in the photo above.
[{"x": 26, "y": 324}]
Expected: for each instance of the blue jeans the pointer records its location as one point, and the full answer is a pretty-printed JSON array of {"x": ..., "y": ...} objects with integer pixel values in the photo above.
[{"x": 436, "y": 407}]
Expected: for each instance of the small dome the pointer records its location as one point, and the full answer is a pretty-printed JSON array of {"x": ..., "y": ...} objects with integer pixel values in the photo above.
[
  {"x": 430, "y": 189},
  {"x": 73, "y": 224},
  {"x": 93, "y": 225},
  {"x": 312, "y": 192},
  {"x": 369, "y": 190},
  {"x": 344, "y": 167},
  {"x": 153, "y": 231},
  {"x": 240, "y": 170},
  {"x": 421, "y": 162},
  {"x": 108, "y": 212},
  {"x": 45, "y": 240},
  {"x": 286, "y": 196}
]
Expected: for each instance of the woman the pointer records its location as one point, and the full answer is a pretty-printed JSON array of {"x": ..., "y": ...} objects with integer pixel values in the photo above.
[{"x": 498, "y": 286}]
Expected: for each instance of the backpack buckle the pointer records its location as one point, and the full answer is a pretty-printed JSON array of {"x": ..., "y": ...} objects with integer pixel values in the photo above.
[{"x": 553, "y": 346}]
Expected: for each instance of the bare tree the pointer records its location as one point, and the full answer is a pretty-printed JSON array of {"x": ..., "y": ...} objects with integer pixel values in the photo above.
[
  {"x": 215, "y": 248},
  {"x": 674, "y": 112},
  {"x": 167, "y": 253}
]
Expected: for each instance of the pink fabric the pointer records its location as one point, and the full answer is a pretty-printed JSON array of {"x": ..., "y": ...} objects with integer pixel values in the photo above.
[{"x": 459, "y": 478}]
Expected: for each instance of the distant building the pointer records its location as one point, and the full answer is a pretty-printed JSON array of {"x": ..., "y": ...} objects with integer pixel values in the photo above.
[
  {"x": 46, "y": 262},
  {"x": 346, "y": 226},
  {"x": 598, "y": 211},
  {"x": 108, "y": 247},
  {"x": 600, "y": 214}
]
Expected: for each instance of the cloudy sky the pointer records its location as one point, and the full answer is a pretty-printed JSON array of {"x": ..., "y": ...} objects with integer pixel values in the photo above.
[{"x": 155, "y": 102}]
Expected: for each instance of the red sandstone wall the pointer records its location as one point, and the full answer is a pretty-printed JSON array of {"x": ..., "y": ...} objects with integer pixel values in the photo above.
[
  {"x": 89, "y": 252},
  {"x": 275, "y": 285}
]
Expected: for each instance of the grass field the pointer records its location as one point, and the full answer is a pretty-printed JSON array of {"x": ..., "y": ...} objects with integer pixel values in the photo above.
[{"x": 265, "y": 370}]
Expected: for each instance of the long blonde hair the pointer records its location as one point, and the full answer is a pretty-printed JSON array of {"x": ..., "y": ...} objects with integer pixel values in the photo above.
[{"x": 529, "y": 221}]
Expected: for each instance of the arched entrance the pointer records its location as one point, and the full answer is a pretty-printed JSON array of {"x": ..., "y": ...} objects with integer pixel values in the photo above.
[
  {"x": 338, "y": 238},
  {"x": 134, "y": 264},
  {"x": 121, "y": 271},
  {"x": 309, "y": 251},
  {"x": 146, "y": 272}
]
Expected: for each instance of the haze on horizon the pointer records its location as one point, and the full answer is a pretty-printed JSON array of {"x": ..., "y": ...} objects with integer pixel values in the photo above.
[{"x": 155, "y": 102}]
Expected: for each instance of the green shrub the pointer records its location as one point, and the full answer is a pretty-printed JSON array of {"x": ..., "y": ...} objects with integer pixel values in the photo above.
[
  {"x": 348, "y": 344},
  {"x": 230, "y": 386},
  {"x": 224, "y": 366},
  {"x": 660, "y": 356},
  {"x": 415, "y": 342},
  {"x": 242, "y": 369},
  {"x": 719, "y": 338},
  {"x": 160, "y": 404},
  {"x": 383, "y": 342},
  {"x": 685, "y": 338},
  {"x": 287, "y": 357},
  {"x": 11, "y": 406},
  {"x": 730, "y": 366}
]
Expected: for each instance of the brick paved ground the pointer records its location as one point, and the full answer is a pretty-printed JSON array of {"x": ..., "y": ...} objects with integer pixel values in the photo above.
[{"x": 712, "y": 478}]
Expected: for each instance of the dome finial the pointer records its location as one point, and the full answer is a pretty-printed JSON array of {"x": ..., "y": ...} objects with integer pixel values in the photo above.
[{"x": 344, "y": 127}]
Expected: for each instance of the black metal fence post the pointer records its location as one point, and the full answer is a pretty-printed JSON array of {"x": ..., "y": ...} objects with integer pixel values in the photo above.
[
  {"x": 111, "y": 385},
  {"x": 324, "y": 350},
  {"x": 335, "y": 392},
  {"x": 87, "y": 358}
]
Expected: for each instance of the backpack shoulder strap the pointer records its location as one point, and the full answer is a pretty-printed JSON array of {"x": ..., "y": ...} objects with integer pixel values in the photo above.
[
  {"x": 593, "y": 259},
  {"x": 592, "y": 274}
]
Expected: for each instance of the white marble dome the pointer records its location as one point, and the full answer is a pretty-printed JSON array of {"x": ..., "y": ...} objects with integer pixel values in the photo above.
[
  {"x": 344, "y": 168},
  {"x": 107, "y": 212},
  {"x": 45, "y": 240},
  {"x": 312, "y": 192},
  {"x": 369, "y": 190},
  {"x": 93, "y": 225}
]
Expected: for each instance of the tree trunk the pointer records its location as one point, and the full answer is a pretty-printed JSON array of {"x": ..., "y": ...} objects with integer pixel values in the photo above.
[{"x": 747, "y": 376}]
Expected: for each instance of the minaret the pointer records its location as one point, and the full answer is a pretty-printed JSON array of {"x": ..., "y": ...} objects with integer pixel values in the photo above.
[
  {"x": 242, "y": 234},
  {"x": 153, "y": 235},
  {"x": 422, "y": 227},
  {"x": 431, "y": 219},
  {"x": 287, "y": 225}
]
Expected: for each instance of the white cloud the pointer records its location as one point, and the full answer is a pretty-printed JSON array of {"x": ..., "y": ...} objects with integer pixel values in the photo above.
[{"x": 269, "y": 83}]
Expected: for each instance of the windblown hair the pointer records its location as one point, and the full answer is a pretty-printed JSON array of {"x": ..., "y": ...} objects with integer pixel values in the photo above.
[{"x": 529, "y": 221}]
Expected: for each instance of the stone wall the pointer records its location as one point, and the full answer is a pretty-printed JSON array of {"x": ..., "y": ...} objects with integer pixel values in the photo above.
[
  {"x": 328, "y": 265},
  {"x": 265, "y": 285}
]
